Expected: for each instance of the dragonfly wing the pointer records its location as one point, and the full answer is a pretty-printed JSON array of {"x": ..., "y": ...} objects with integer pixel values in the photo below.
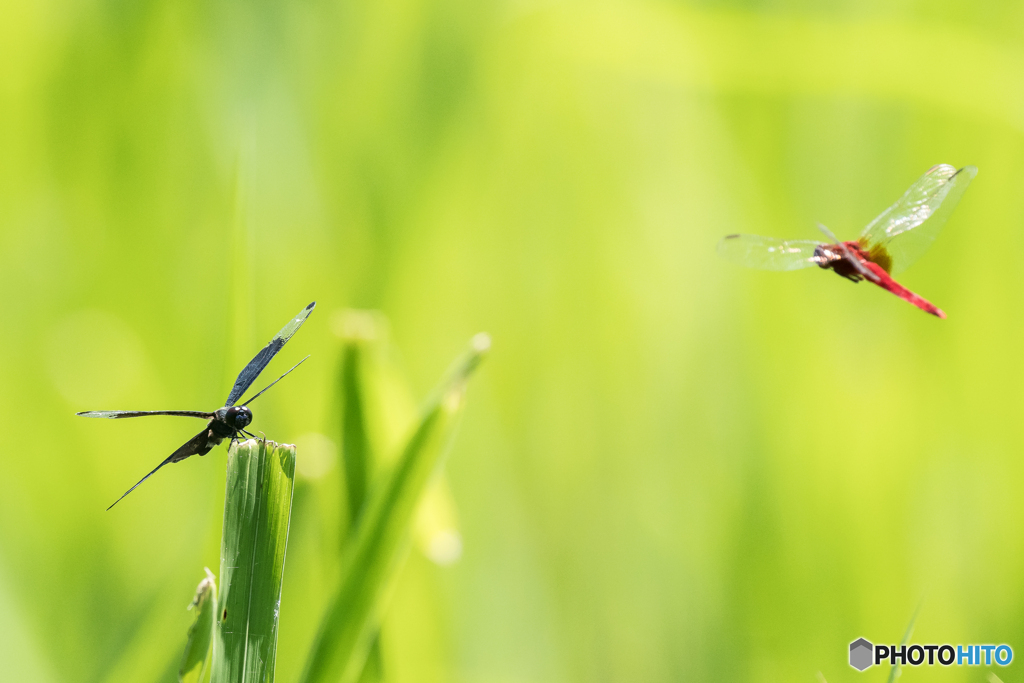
[
  {"x": 251, "y": 371},
  {"x": 197, "y": 444},
  {"x": 904, "y": 231},
  {"x": 119, "y": 414},
  {"x": 768, "y": 253},
  {"x": 275, "y": 381}
]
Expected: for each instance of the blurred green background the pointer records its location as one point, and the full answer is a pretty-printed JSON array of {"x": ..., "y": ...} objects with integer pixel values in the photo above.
[{"x": 670, "y": 468}]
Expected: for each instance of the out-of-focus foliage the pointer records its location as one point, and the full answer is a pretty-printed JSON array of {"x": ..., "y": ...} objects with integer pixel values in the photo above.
[
  {"x": 195, "y": 658},
  {"x": 346, "y": 643},
  {"x": 670, "y": 468}
]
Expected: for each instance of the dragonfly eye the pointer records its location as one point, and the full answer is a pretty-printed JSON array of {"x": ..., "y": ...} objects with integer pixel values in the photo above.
[
  {"x": 825, "y": 256},
  {"x": 242, "y": 417}
]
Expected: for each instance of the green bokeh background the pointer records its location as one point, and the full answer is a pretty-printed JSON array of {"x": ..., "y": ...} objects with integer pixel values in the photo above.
[{"x": 670, "y": 468}]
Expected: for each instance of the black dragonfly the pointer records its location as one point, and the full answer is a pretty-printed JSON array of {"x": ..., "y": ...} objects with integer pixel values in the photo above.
[{"x": 229, "y": 421}]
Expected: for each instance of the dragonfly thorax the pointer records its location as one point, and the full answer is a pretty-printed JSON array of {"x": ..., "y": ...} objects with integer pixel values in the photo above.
[{"x": 844, "y": 259}]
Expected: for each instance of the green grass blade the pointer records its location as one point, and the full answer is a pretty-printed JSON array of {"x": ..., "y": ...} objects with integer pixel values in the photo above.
[
  {"x": 357, "y": 459},
  {"x": 373, "y": 669},
  {"x": 894, "y": 671},
  {"x": 355, "y": 446},
  {"x": 200, "y": 635},
  {"x": 353, "y": 618},
  {"x": 257, "y": 510}
]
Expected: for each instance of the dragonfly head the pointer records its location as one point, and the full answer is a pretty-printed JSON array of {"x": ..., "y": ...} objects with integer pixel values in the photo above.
[
  {"x": 826, "y": 255},
  {"x": 238, "y": 417}
]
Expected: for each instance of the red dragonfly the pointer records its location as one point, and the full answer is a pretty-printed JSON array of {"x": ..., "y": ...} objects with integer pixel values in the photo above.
[{"x": 887, "y": 246}]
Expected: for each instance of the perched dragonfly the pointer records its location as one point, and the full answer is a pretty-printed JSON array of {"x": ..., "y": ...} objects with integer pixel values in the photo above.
[
  {"x": 888, "y": 245},
  {"x": 226, "y": 422}
]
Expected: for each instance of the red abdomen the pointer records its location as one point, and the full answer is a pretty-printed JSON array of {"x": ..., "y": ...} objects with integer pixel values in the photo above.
[{"x": 885, "y": 281}]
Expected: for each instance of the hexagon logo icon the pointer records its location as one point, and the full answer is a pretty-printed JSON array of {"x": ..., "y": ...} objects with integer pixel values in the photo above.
[{"x": 860, "y": 654}]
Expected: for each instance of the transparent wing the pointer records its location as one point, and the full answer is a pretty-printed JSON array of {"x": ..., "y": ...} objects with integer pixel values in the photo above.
[
  {"x": 256, "y": 365},
  {"x": 119, "y": 414},
  {"x": 904, "y": 231},
  {"x": 768, "y": 253}
]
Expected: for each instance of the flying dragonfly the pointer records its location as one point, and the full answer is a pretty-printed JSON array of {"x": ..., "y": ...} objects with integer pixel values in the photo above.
[
  {"x": 886, "y": 247},
  {"x": 226, "y": 422}
]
